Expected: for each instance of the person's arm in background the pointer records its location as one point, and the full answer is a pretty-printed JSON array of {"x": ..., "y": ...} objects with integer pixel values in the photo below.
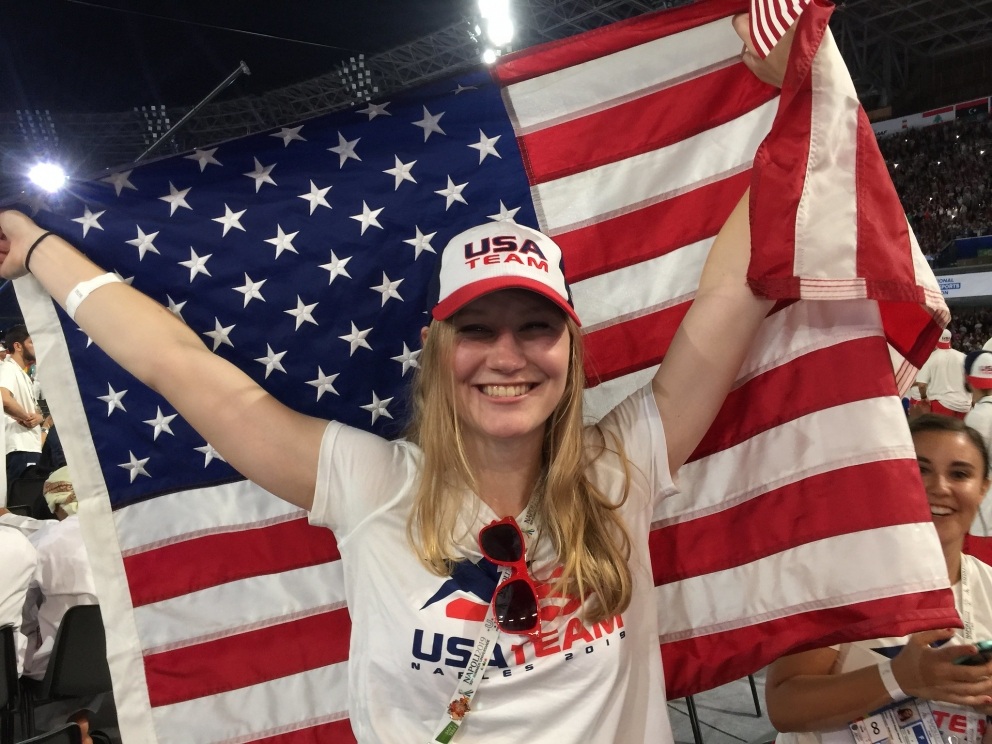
[{"x": 802, "y": 693}]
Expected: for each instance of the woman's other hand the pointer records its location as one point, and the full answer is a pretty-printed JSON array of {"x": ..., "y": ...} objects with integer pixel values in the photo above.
[
  {"x": 772, "y": 68},
  {"x": 931, "y": 673}
]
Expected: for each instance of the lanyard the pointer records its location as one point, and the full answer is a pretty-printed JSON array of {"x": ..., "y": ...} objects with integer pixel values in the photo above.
[
  {"x": 968, "y": 633},
  {"x": 459, "y": 705}
]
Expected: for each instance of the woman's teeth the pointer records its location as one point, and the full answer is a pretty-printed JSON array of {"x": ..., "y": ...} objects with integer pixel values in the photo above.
[{"x": 504, "y": 391}]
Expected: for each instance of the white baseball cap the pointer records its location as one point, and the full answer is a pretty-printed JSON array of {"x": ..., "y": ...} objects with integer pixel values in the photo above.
[
  {"x": 495, "y": 256},
  {"x": 945, "y": 340},
  {"x": 980, "y": 374},
  {"x": 988, "y": 345}
]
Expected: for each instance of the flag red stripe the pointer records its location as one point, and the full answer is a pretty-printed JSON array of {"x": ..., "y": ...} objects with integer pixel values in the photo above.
[
  {"x": 338, "y": 732},
  {"x": 935, "y": 112},
  {"x": 191, "y": 565},
  {"x": 651, "y": 231},
  {"x": 744, "y": 651},
  {"x": 767, "y": 524},
  {"x": 248, "y": 658},
  {"x": 776, "y": 191},
  {"x": 613, "y": 352},
  {"x": 647, "y": 123},
  {"x": 884, "y": 248},
  {"x": 758, "y": 405},
  {"x": 558, "y": 55}
]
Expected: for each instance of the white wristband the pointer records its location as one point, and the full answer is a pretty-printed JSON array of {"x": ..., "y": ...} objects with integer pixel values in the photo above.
[
  {"x": 82, "y": 290},
  {"x": 889, "y": 680}
]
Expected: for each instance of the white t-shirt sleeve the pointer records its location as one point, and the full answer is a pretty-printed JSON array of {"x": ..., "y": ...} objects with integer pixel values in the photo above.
[
  {"x": 358, "y": 473},
  {"x": 637, "y": 423}
]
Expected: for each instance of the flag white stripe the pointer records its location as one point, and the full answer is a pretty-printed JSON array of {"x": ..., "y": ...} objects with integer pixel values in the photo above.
[
  {"x": 827, "y": 217},
  {"x": 187, "y": 514},
  {"x": 874, "y": 430},
  {"x": 613, "y": 188},
  {"x": 239, "y": 606},
  {"x": 635, "y": 290},
  {"x": 96, "y": 520},
  {"x": 594, "y": 85},
  {"x": 807, "y": 326},
  {"x": 243, "y": 715},
  {"x": 795, "y": 581}
]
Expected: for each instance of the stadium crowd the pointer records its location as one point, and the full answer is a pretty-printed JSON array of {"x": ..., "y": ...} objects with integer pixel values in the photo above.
[{"x": 943, "y": 175}]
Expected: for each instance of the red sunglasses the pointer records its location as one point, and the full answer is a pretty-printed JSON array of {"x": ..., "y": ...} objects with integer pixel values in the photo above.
[{"x": 515, "y": 600}]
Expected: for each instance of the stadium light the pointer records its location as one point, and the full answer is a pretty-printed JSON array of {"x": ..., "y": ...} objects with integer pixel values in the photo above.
[
  {"x": 499, "y": 25},
  {"x": 47, "y": 176},
  {"x": 489, "y": 56}
]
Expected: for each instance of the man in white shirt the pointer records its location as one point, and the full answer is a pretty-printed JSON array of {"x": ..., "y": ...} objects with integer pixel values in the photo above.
[
  {"x": 941, "y": 380},
  {"x": 22, "y": 417}
]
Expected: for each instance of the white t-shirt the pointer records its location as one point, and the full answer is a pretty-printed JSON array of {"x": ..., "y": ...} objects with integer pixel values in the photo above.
[
  {"x": 980, "y": 419},
  {"x": 18, "y": 559},
  {"x": 412, "y": 632},
  {"x": 943, "y": 374},
  {"x": 16, "y": 380},
  {"x": 63, "y": 579},
  {"x": 862, "y": 654}
]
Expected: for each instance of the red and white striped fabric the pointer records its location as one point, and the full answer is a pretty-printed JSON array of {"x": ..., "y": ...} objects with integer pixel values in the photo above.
[
  {"x": 806, "y": 434},
  {"x": 801, "y": 522},
  {"x": 770, "y": 19}
]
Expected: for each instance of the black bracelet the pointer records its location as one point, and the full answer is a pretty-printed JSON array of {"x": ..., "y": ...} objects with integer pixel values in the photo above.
[{"x": 27, "y": 256}]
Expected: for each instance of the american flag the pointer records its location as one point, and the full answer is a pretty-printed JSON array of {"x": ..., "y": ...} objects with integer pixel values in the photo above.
[{"x": 302, "y": 255}]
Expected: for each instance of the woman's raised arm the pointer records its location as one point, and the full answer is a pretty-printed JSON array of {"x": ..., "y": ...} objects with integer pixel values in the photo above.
[
  {"x": 710, "y": 346},
  {"x": 269, "y": 443}
]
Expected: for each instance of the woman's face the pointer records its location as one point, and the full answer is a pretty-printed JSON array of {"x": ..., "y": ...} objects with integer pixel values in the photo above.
[
  {"x": 510, "y": 365},
  {"x": 954, "y": 478}
]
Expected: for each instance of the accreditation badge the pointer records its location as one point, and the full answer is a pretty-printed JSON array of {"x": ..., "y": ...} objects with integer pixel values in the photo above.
[{"x": 910, "y": 721}]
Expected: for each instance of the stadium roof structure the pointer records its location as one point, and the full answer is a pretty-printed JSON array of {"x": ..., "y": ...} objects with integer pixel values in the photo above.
[{"x": 880, "y": 40}]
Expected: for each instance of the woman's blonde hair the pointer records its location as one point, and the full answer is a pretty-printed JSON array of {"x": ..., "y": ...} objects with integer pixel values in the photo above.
[{"x": 588, "y": 535}]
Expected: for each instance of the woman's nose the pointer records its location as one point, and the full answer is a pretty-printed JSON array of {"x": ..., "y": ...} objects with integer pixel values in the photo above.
[{"x": 506, "y": 353}]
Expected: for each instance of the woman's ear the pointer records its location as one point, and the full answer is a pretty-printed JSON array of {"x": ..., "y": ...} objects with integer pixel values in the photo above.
[{"x": 423, "y": 335}]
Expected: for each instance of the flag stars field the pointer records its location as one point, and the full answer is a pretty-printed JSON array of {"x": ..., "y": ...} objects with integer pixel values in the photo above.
[
  {"x": 324, "y": 383},
  {"x": 421, "y": 242},
  {"x": 336, "y": 267},
  {"x": 220, "y": 334},
  {"x": 356, "y": 338},
  {"x": 345, "y": 150},
  {"x": 378, "y": 407},
  {"x": 283, "y": 241},
  {"x": 430, "y": 124},
  {"x": 113, "y": 399},
  {"x": 160, "y": 423},
  {"x": 203, "y": 157},
  {"x": 135, "y": 466},
  {"x": 262, "y": 175},
  {"x": 303, "y": 313},
  {"x": 317, "y": 197},
  {"x": 144, "y": 243},
  {"x": 230, "y": 219},
  {"x": 289, "y": 134},
  {"x": 176, "y": 198},
  {"x": 89, "y": 219},
  {"x": 121, "y": 181},
  {"x": 196, "y": 264}
]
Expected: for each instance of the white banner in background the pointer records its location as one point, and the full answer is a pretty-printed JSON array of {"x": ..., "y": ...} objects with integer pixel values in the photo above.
[{"x": 966, "y": 285}]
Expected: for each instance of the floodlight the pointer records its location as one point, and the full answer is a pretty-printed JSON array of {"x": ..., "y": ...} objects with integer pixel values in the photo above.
[
  {"x": 47, "y": 176},
  {"x": 499, "y": 25},
  {"x": 489, "y": 56}
]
